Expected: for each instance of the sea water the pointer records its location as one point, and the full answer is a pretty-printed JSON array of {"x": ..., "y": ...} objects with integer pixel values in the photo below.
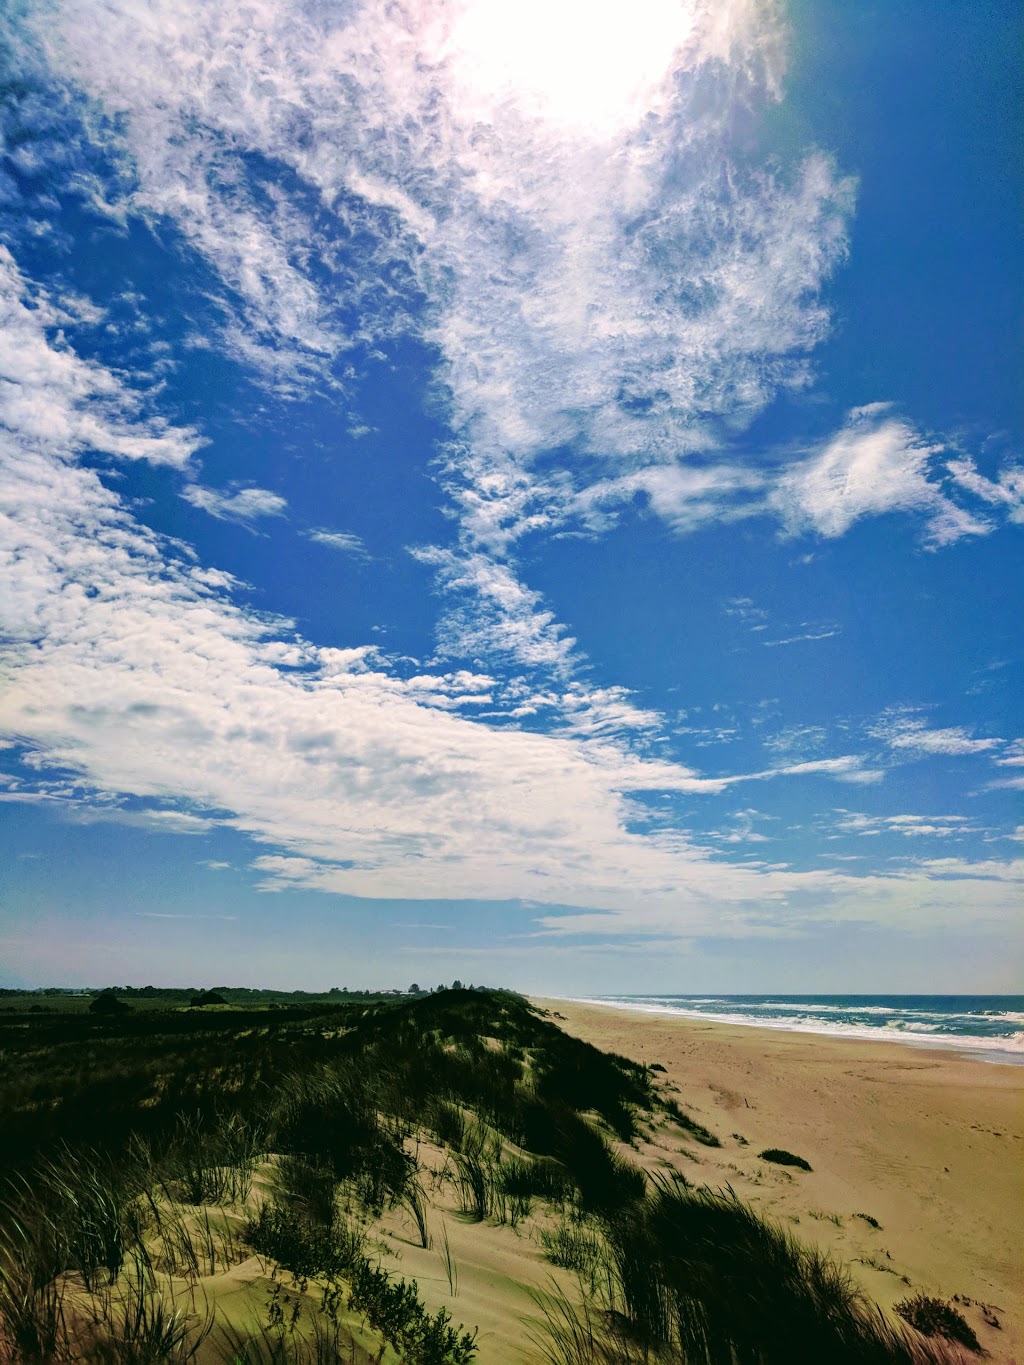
[{"x": 988, "y": 1027}]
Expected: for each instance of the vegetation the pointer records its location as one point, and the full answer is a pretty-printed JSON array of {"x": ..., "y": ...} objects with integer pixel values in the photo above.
[
  {"x": 784, "y": 1158},
  {"x": 934, "y": 1318},
  {"x": 148, "y": 1148},
  {"x": 203, "y": 998}
]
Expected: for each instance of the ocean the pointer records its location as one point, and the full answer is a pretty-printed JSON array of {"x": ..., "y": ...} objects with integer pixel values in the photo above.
[{"x": 986, "y": 1027}]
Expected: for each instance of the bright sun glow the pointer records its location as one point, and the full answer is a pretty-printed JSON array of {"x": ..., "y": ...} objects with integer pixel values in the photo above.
[{"x": 594, "y": 65}]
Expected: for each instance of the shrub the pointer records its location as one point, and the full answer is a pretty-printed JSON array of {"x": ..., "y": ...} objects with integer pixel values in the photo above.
[
  {"x": 108, "y": 1003},
  {"x": 300, "y": 1245},
  {"x": 784, "y": 1158},
  {"x": 394, "y": 1309},
  {"x": 934, "y": 1318}
]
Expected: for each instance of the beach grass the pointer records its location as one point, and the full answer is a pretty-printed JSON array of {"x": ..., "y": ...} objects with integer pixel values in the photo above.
[{"x": 149, "y": 1153}]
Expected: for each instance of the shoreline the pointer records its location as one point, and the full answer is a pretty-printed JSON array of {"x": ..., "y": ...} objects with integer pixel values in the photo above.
[
  {"x": 917, "y": 1154},
  {"x": 976, "y": 1049}
]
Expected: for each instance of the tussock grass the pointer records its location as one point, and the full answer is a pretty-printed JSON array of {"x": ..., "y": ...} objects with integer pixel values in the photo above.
[
  {"x": 185, "y": 1104},
  {"x": 144, "y": 1323},
  {"x": 780, "y": 1157},
  {"x": 574, "y": 1247},
  {"x": 694, "y": 1275},
  {"x": 934, "y": 1317},
  {"x": 571, "y": 1333}
]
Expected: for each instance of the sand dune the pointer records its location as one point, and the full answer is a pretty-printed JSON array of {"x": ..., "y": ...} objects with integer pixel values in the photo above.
[{"x": 928, "y": 1144}]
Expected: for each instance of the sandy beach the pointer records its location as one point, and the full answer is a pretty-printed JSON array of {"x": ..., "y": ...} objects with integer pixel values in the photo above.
[{"x": 928, "y": 1144}]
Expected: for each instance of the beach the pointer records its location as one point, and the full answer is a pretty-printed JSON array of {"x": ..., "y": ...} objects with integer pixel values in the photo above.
[{"x": 928, "y": 1144}]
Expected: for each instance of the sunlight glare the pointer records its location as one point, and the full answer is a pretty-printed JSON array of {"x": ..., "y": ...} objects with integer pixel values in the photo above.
[{"x": 595, "y": 65}]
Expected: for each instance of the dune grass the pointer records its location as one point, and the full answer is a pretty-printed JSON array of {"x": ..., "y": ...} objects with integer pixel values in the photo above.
[
  {"x": 149, "y": 1150},
  {"x": 779, "y": 1157}
]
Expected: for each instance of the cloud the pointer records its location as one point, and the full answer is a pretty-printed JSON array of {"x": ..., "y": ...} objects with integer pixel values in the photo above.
[
  {"x": 602, "y": 310},
  {"x": 745, "y": 611},
  {"x": 847, "y": 768},
  {"x": 142, "y": 678},
  {"x": 1007, "y": 490},
  {"x": 343, "y": 541},
  {"x": 904, "y": 732},
  {"x": 1013, "y": 755},
  {"x": 497, "y": 617},
  {"x": 910, "y": 826},
  {"x": 244, "y": 505},
  {"x": 924, "y": 896},
  {"x": 49, "y": 395},
  {"x": 812, "y": 633},
  {"x": 155, "y": 820},
  {"x": 796, "y": 742},
  {"x": 876, "y": 464},
  {"x": 613, "y": 291},
  {"x": 757, "y": 621},
  {"x": 602, "y": 290}
]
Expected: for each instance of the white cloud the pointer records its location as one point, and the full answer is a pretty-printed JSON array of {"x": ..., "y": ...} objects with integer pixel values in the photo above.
[
  {"x": 48, "y": 394},
  {"x": 245, "y": 505},
  {"x": 601, "y": 302},
  {"x": 1013, "y": 755},
  {"x": 875, "y": 464},
  {"x": 810, "y": 633},
  {"x": 910, "y": 826},
  {"x": 145, "y": 681},
  {"x": 600, "y": 288},
  {"x": 905, "y": 732},
  {"x": 346, "y": 542},
  {"x": 155, "y": 820},
  {"x": 745, "y": 610},
  {"x": 847, "y": 768},
  {"x": 497, "y": 618},
  {"x": 1007, "y": 489}
]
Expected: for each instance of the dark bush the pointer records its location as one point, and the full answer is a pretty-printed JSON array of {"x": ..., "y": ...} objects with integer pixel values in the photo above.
[
  {"x": 783, "y": 1158},
  {"x": 207, "y": 998},
  {"x": 108, "y": 1003},
  {"x": 934, "y": 1318}
]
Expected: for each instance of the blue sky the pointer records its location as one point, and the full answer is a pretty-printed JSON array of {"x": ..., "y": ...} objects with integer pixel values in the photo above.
[{"x": 526, "y": 492}]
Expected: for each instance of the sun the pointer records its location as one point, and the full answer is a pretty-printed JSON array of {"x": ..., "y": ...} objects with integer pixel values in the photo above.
[{"x": 590, "y": 65}]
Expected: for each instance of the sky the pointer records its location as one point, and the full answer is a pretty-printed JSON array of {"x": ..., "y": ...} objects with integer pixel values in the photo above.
[{"x": 530, "y": 492}]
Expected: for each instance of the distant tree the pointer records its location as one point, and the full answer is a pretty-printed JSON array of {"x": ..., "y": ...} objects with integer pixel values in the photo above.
[
  {"x": 207, "y": 998},
  {"x": 108, "y": 1003},
  {"x": 414, "y": 989},
  {"x": 457, "y": 985}
]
